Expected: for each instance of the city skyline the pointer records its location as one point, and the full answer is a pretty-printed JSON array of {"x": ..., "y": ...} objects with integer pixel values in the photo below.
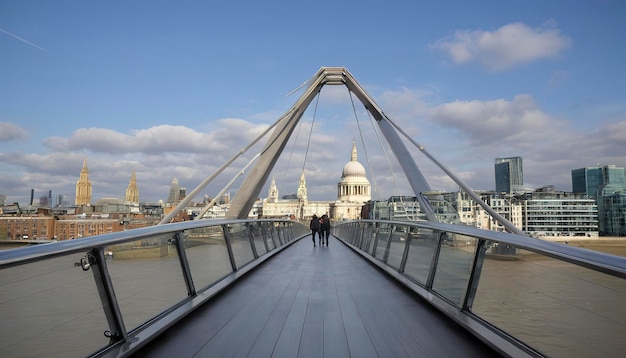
[
  {"x": 180, "y": 100},
  {"x": 37, "y": 197}
]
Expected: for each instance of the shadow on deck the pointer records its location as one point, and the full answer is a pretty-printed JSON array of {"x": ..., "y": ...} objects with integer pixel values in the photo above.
[{"x": 316, "y": 302}]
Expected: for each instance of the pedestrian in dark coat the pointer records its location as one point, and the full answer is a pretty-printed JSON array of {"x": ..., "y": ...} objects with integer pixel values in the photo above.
[
  {"x": 315, "y": 228},
  {"x": 325, "y": 233}
]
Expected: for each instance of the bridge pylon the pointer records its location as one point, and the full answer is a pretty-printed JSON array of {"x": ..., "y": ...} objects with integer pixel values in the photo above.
[{"x": 258, "y": 175}]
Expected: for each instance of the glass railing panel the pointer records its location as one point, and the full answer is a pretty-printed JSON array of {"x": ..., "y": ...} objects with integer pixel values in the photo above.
[
  {"x": 280, "y": 229},
  {"x": 50, "y": 308},
  {"x": 271, "y": 230},
  {"x": 558, "y": 308},
  {"x": 207, "y": 255},
  {"x": 454, "y": 266},
  {"x": 360, "y": 234},
  {"x": 299, "y": 229},
  {"x": 240, "y": 241},
  {"x": 376, "y": 234},
  {"x": 367, "y": 238},
  {"x": 147, "y": 278},
  {"x": 421, "y": 252},
  {"x": 259, "y": 242},
  {"x": 383, "y": 237},
  {"x": 265, "y": 231},
  {"x": 396, "y": 248}
]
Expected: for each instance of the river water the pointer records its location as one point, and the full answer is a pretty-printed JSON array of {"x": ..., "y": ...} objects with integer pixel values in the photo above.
[{"x": 561, "y": 309}]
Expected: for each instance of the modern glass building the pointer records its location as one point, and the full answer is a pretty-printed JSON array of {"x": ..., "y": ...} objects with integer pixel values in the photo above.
[
  {"x": 509, "y": 175},
  {"x": 560, "y": 217},
  {"x": 607, "y": 185},
  {"x": 587, "y": 180}
]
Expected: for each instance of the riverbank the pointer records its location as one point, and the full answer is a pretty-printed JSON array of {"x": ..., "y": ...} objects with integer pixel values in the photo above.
[{"x": 615, "y": 245}]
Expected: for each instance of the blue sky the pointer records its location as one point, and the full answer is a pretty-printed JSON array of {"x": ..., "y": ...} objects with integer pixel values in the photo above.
[{"x": 174, "y": 89}]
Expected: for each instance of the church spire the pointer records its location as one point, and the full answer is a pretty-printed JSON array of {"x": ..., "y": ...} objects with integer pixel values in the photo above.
[
  {"x": 272, "y": 195},
  {"x": 302, "y": 196},
  {"x": 353, "y": 156},
  {"x": 83, "y": 187},
  {"x": 132, "y": 192}
]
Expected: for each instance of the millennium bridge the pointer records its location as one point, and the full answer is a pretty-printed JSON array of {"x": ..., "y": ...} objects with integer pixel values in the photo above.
[{"x": 240, "y": 287}]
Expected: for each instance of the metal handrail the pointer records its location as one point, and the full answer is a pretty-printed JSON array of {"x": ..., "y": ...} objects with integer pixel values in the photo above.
[
  {"x": 358, "y": 235},
  {"x": 124, "y": 341},
  {"x": 361, "y": 235},
  {"x": 28, "y": 254}
]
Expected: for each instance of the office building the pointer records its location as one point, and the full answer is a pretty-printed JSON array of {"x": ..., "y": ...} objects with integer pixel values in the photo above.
[
  {"x": 607, "y": 185},
  {"x": 509, "y": 175},
  {"x": 550, "y": 213}
]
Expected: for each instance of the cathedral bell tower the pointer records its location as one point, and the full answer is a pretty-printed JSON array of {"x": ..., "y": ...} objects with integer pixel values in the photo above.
[
  {"x": 132, "y": 192},
  {"x": 272, "y": 193},
  {"x": 83, "y": 187},
  {"x": 302, "y": 189}
]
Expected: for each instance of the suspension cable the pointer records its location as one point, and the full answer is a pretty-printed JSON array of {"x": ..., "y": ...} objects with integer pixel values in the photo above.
[
  {"x": 209, "y": 179},
  {"x": 506, "y": 223},
  {"x": 308, "y": 142},
  {"x": 384, "y": 150},
  {"x": 369, "y": 165},
  {"x": 293, "y": 147}
]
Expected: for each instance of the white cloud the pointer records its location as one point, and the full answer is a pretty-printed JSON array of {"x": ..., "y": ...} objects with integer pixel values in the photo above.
[
  {"x": 496, "y": 121},
  {"x": 509, "y": 46},
  {"x": 11, "y": 132},
  {"x": 158, "y": 139},
  {"x": 465, "y": 136}
]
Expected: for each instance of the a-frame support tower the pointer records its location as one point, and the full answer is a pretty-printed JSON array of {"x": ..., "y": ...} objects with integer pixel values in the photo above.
[{"x": 252, "y": 185}]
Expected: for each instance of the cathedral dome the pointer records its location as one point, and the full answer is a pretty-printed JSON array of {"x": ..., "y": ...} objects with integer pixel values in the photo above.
[
  {"x": 353, "y": 169},
  {"x": 353, "y": 186}
]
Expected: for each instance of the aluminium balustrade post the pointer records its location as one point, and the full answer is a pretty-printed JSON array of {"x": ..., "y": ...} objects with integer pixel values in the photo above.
[
  {"x": 251, "y": 239},
  {"x": 373, "y": 252},
  {"x": 110, "y": 305},
  {"x": 267, "y": 231},
  {"x": 364, "y": 236},
  {"x": 265, "y": 234},
  {"x": 276, "y": 233},
  {"x": 229, "y": 246},
  {"x": 405, "y": 253},
  {"x": 184, "y": 263},
  {"x": 474, "y": 279},
  {"x": 368, "y": 237},
  {"x": 372, "y": 239},
  {"x": 288, "y": 230},
  {"x": 373, "y": 234},
  {"x": 354, "y": 227},
  {"x": 435, "y": 260},
  {"x": 283, "y": 230},
  {"x": 267, "y": 247},
  {"x": 388, "y": 246}
]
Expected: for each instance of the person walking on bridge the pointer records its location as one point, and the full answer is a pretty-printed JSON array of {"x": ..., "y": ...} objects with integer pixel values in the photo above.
[
  {"x": 325, "y": 228},
  {"x": 315, "y": 228}
]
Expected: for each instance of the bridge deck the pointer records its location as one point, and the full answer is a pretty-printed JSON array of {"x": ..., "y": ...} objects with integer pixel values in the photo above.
[{"x": 316, "y": 302}]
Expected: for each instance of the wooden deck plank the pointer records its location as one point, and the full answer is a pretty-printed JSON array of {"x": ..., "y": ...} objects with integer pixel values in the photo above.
[{"x": 316, "y": 302}]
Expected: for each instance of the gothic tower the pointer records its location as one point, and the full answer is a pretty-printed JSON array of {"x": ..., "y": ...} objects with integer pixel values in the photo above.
[
  {"x": 132, "y": 192},
  {"x": 302, "y": 196},
  {"x": 272, "y": 193},
  {"x": 83, "y": 187}
]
